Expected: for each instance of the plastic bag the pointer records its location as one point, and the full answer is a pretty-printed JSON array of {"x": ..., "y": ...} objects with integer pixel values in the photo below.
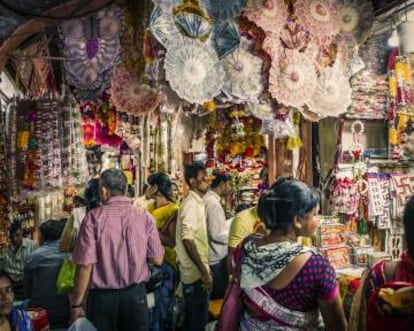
[{"x": 66, "y": 277}]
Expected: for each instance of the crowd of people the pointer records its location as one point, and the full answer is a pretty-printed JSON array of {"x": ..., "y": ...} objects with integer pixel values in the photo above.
[{"x": 118, "y": 245}]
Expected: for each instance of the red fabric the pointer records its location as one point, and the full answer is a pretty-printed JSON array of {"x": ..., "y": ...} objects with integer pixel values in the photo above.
[
  {"x": 40, "y": 320},
  {"x": 117, "y": 239},
  {"x": 404, "y": 272}
]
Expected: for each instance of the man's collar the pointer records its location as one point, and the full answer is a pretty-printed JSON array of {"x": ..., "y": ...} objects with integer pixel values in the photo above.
[
  {"x": 214, "y": 194},
  {"x": 196, "y": 196},
  {"x": 117, "y": 199}
]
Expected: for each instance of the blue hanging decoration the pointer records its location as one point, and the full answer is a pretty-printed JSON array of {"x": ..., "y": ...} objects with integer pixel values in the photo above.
[
  {"x": 226, "y": 37},
  {"x": 222, "y": 10}
]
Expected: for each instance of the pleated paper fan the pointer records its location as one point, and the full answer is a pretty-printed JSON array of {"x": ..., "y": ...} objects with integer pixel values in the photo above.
[
  {"x": 333, "y": 93},
  {"x": 318, "y": 17},
  {"x": 194, "y": 25},
  {"x": 293, "y": 79},
  {"x": 162, "y": 26},
  {"x": 132, "y": 97},
  {"x": 222, "y": 10},
  {"x": 193, "y": 70},
  {"x": 225, "y": 37},
  {"x": 244, "y": 79},
  {"x": 269, "y": 15},
  {"x": 356, "y": 18}
]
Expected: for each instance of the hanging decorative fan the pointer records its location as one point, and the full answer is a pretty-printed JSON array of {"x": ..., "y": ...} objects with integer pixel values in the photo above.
[
  {"x": 71, "y": 29},
  {"x": 225, "y": 37},
  {"x": 333, "y": 93},
  {"x": 345, "y": 51},
  {"x": 132, "y": 97},
  {"x": 110, "y": 21},
  {"x": 244, "y": 79},
  {"x": 193, "y": 70},
  {"x": 271, "y": 45},
  {"x": 294, "y": 36},
  {"x": 270, "y": 15},
  {"x": 222, "y": 10},
  {"x": 319, "y": 17},
  {"x": 162, "y": 26},
  {"x": 292, "y": 80},
  {"x": 192, "y": 20},
  {"x": 88, "y": 59},
  {"x": 356, "y": 18},
  {"x": 94, "y": 90}
]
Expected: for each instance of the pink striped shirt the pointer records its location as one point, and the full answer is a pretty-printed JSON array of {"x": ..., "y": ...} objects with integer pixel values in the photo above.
[{"x": 117, "y": 238}]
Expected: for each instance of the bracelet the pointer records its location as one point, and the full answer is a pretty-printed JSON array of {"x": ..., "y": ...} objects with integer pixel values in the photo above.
[{"x": 76, "y": 306}]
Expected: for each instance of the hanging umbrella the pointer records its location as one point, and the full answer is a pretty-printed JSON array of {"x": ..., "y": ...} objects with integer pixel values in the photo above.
[
  {"x": 193, "y": 70},
  {"x": 244, "y": 79},
  {"x": 292, "y": 80},
  {"x": 269, "y": 15},
  {"x": 192, "y": 20}
]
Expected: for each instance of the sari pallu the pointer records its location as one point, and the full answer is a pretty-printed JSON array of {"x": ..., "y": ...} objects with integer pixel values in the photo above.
[{"x": 259, "y": 303}]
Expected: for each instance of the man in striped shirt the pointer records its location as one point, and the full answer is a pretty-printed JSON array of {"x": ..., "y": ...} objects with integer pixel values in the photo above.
[{"x": 115, "y": 243}]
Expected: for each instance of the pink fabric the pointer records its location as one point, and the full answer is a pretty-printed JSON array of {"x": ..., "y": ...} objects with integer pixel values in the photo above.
[{"x": 117, "y": 239}]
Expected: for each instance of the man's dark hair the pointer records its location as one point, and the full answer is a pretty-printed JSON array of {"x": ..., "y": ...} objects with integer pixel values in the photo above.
[
  {"x": 92, "y": 196},
  {"x": 192, "y": 170},
  {"x": 14, "y": 227},
  {"x": 115, "y": 181},
  {"x": 220, "y": 177},
  {"x": 51, "y": 230}
]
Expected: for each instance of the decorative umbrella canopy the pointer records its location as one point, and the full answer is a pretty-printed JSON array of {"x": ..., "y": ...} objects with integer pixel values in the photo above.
[
  {"x": 292, "y": 80},
  {"x": 162, "y": 26},
  {"x": 132, "y": 97},
  {"x": 270, "y": 15},
  {"x": 244, "y": 79},
  {"x": 319, "y": 17},
  {"x": 333, "y": 93},
  {"x": 225, "y": 37},
  {"x": 193, "y": 70},
  {"x": 222, "y": 10},
  {"x": 192, "y": 20},
  {"x": 356, "y": 18}
]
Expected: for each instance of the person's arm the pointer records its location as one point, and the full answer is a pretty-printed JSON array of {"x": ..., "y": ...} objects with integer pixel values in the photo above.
[
  {"x": 329, "y": 299},
  {"x": 192, "y": 252},
  {"x": 82, "y": 277},
  {"x": 333, "y": 314},
  {"x": 155, "y": 251},
  {"x": 188, "y": 213}
]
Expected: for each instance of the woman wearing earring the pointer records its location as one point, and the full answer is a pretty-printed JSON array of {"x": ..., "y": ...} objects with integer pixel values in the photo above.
[
  {"x": 287, "y": 286},
  {"x": 164, "y": 210}
]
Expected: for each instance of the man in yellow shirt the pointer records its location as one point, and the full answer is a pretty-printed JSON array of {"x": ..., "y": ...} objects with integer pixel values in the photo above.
[{"x": 244, "y": 223}]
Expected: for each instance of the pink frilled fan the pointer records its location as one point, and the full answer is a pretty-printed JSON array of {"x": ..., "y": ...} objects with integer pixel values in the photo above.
[
  {"x": 319, "y": 17},
  {"x": 132, "y": 97},
  {"x": 293, "y": 79},
  {"x": 270, "y": 15}
]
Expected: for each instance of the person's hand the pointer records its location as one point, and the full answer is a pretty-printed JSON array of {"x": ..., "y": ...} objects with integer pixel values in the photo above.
[
  {"x": 76, "y": 313},
  {"x": 207, "y": 280}
]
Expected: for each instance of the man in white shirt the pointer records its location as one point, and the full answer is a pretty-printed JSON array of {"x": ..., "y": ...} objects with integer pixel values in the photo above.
[
  {"x": 192, "y": 249},
  {"x": 218, "y": 231}
]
